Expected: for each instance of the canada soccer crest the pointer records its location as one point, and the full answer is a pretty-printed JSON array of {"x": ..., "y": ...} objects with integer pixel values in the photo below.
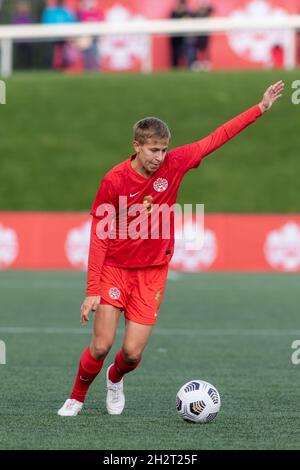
[
  {"x": 114, "y": 293},
  {"x": 160, "y": 185},
  {"x": 282, "y": 247}
]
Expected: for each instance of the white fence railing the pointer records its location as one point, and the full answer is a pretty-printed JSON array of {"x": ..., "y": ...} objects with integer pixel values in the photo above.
[{"x": 8, "y": 34}]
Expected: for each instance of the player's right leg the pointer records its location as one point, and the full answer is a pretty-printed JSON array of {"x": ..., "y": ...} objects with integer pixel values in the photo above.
[
  {"x": 91, "y": 361},
  {"x": 127, "y": 359}
]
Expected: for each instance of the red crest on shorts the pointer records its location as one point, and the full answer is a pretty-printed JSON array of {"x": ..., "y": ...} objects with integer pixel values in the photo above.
[
  {"x": 160, "y": 185},
  {"x": 114, "y": 293}
]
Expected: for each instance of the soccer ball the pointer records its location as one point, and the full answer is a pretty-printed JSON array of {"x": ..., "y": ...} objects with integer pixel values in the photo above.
[{"x": 198, "y": 402}]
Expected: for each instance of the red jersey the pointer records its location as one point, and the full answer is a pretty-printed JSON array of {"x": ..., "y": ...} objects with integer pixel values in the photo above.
[{"x": 161, "y": 188}]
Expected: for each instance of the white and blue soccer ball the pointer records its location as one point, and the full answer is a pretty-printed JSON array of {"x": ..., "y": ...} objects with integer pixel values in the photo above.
[{"x": 198, "y": 402}]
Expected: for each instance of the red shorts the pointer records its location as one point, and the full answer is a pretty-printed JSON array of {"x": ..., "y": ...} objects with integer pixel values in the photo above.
[{"x": 138, "y": 292}]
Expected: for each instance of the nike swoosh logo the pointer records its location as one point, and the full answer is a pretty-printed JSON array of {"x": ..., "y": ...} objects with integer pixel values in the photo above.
[
  {"x": 132, "y": 195},
  {"x": 84, "y": 379}
]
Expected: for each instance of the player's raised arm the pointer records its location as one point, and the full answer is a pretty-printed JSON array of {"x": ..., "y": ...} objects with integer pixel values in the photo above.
[{"x": 189, "y": 156}]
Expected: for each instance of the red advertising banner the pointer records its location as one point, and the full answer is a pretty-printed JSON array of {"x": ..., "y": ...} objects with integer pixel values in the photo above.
[
  {"x": 245, "y": 49},
  {"x": 259, "y": 243}
]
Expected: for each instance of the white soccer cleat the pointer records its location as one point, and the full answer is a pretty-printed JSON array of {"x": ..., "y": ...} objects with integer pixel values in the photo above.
[
  {"x": 115, "y": 399},
  {"x": 71, "y": 407}
]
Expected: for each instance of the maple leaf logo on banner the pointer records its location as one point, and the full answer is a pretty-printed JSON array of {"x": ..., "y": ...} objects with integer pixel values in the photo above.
[
  {"x": 77, "y": 245},
  {"x": 282, "y": 247},
  {"x": 257, "y": 45},
  {"x": 194, "y": 260},
  {"x": 8, "y": 246},
  {"x": 123, "y": 52}
]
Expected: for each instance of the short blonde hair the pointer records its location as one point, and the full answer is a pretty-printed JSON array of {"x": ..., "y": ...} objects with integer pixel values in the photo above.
[{"x": 150, "y": 127}]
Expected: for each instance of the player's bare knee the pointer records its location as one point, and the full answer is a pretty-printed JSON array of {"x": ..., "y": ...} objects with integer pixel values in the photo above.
[
  {"x": 130, "y": 355},
  {"x": 100, "y": 350}
]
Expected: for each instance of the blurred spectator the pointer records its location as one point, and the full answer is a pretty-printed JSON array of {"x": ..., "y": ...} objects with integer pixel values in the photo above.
[
  {"x": 59, "y": 13},
  {"x": 298, "y": 48},
  {"x": 23, "y": 16},
  {"x": 202, "y": 51},
  {"x": 90, "y": 12},
  {"x": 180, "y": 45},
  {"x": 277, "y": 56}
]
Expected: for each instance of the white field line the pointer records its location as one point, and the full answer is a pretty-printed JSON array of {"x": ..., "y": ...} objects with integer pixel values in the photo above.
[
  {"x": 58, "y": 284},
  {"x": 172, "y": 276},
  {"x": 41, "y": 285},
  {"x": 157, "y": 331}
]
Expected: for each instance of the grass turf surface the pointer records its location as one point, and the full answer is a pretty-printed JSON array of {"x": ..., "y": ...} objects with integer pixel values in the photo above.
[
  {"x": 233, "y": 330},
  {"x": 60, "y": 134}
]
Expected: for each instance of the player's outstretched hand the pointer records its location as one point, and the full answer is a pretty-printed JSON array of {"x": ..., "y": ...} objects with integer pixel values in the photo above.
[
  {"x": 90, "y": 303},
  {"x": 272, "y": 94}
]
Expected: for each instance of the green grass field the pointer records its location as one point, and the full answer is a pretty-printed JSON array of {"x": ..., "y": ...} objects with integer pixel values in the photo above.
[
  {"x": 59, "y": 135},
  {"x": 233, "y": 330}
]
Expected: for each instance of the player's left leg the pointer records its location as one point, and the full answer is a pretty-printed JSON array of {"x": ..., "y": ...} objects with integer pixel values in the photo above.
[
  {"x": 146, "y": 287},
  {"x": 127, "y": 359}
]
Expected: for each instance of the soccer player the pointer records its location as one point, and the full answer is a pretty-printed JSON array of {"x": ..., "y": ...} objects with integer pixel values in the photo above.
[{"x": 127, "y": 272}]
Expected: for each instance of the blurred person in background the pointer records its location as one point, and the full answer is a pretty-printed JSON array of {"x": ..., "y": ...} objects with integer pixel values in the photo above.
[
  {"x": 90, "y": 12},
  {"x": 22, "y": 13},
  {"x": 58, "y": 13},
  {"x": 180, "y": 45},
  {"x": 277, "y": 56},
  {"x": 201, "y": 60},
  {"x": 23, "y": 16}
]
